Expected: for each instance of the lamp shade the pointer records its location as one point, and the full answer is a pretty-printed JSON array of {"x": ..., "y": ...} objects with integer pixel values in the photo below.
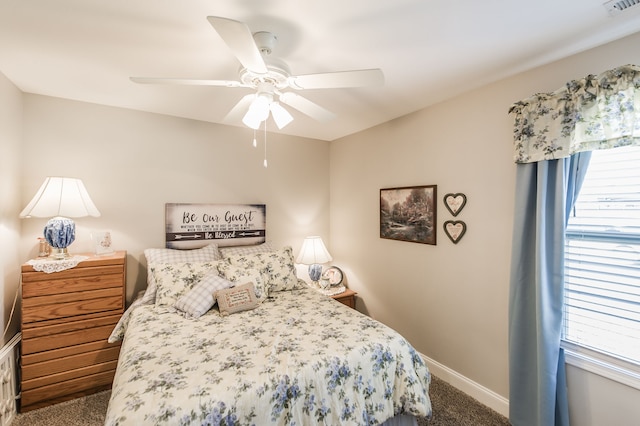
[
  {"x": 61, "y": 196},
  {"x": 313, "y": 251}
]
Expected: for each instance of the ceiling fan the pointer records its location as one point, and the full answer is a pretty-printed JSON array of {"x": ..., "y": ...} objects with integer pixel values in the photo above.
[{"x": 270, "y": 78}]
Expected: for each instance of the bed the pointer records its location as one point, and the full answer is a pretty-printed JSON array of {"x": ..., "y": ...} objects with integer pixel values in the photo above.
[{"x": 293, "y": 357}]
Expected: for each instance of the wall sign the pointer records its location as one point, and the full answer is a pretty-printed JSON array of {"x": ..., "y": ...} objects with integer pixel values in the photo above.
[{"x": 190, "y": 226}]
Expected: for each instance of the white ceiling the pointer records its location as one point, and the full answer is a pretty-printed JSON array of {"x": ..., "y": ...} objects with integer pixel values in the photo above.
[{"x": 429, "y": 50}]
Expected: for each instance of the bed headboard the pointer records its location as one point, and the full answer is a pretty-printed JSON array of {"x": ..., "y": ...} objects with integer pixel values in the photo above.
[{"x": 190, "y": 226}]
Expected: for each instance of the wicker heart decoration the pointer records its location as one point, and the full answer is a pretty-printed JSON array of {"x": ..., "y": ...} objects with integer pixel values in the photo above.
[
  {"x": 455, "y": 202},
  {"x": 455, "y": 229}
]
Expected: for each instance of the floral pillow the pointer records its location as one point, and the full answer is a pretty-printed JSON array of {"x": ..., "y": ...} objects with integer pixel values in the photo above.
[
  {"x": 197, "y": 301},
  {"x": 154, "y": 256},
  {"x": 240, "y": 275},
  {"x": 277, "y": 267},
  {"x": 175, "y": 279},
  {"x": 225, "y": 252}
]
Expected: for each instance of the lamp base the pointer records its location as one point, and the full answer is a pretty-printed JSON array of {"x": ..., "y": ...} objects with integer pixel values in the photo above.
[
  {"x": 59, "y": 253},
  {"x": 60, "y": 232}
]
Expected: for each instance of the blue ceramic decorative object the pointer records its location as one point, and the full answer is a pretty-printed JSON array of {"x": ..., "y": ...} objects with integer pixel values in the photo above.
[
  {"x": 315, "y": 271},
  {"x": 60, "y": 232}
]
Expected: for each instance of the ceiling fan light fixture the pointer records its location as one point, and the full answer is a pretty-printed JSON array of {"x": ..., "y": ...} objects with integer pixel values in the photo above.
[
  {"x": 258, "y": 111},
  {"x": 280, "y": 115}
]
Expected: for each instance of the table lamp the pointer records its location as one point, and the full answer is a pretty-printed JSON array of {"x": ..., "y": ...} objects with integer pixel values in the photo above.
[
  {"x": 312, "y": 253},
  {"x": 62, "y": 198}
]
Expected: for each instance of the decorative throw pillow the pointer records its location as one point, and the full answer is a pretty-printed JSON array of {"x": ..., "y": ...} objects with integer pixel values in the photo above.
[
  {"x": 236, "y": 299},
  {"x": 162, "y": 255},
  {"x": 175, "y": 279},
  {"x": 225, "y": 252},
  {"x": 197, "y": 301},
  {"x": 277, "y": 267},
  {"x": 240, "y": 275}
]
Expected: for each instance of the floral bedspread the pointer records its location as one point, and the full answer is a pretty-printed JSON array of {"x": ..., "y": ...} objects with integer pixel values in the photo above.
[{"x": 300, "y": 358}]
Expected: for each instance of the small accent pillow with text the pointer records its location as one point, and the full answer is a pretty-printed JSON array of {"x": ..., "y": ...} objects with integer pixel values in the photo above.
[
  {"x": 197, "y": 301},
  {"x": 175, "y": 279},
  {"x": 236, "y": 299}
]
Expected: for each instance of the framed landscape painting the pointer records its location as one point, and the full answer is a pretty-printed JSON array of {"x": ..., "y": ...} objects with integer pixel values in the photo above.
[{"x": 409, "y": 214}]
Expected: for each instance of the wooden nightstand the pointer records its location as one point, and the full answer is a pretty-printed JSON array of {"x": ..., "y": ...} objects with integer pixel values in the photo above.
[
  {"x": 347, "y": 297},
  {"x": 67, "y": 317}
]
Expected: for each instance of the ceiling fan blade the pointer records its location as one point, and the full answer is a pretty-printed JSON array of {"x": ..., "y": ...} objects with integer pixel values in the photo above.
[
  {"x": 187, "y": 81},
  {"x": 280, "y": 115},
  {"x": 238, "y": 111},
  {"x": 305, "y": 106},
  {"x": 340, "y": 79},
  {"x": 239, "y": 39}
]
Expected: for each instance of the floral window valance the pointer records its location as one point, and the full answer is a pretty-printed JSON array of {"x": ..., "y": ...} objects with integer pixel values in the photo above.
[{"x": 596, "y": 112}]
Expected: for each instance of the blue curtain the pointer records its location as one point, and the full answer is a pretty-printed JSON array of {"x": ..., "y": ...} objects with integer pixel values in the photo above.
[{"x": 545, "y": 194}]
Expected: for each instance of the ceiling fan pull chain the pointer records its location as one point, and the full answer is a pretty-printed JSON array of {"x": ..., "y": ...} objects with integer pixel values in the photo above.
[
  {"x": 255, "y": 142},
  {"x": 265, "y": 144}
]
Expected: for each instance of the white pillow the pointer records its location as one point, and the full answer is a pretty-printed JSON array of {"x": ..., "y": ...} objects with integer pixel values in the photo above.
[
  {"x": 163, "y": 255},
  {"x": 197, "y": 301},
  {"x": 175, "y": 279}
]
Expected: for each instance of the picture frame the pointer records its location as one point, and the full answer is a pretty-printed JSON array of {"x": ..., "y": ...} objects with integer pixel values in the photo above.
[
  {"x": 102, "y": 242},
  {"x": 455, "y": 230},
  {"x": 409, "y": 214},
  {"x": 333, "y": 276}
]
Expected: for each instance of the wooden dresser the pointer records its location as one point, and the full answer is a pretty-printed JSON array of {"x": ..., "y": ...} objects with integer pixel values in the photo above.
[{"x": 67, "y": 317}]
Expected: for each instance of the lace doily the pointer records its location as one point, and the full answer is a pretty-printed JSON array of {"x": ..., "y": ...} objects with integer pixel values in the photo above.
[
  {"x": 55, "y": 265},
  {"x": 332, "y": 291}
]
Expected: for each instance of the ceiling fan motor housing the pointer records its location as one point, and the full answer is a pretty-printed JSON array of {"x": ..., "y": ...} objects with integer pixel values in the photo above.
[{"x": 278, "y": 71}]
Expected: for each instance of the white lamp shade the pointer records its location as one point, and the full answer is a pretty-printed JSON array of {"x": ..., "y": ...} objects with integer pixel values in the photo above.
[
  {"x": 280, "y": 115},
  {"x": 61, "y": 196},
  {"x": 313, "y": 251}
]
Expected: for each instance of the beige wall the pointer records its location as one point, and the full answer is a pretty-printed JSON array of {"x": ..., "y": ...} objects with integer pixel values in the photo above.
[
  {"x": 10, "y": 173},
  {"x": 451, "y": 301},
  {"x": 132, "y": 163}
]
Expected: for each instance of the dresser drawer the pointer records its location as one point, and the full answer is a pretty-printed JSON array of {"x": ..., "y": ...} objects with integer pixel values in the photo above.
[
  {"x": 44, "y": 308},
  {"x": 37, "y": 284},
  {"x": 68, "y": 351},
  {"x": 61, "y": 340},
  {"x": 46, "y": 395},
  {"x": 70, "y": 363}
]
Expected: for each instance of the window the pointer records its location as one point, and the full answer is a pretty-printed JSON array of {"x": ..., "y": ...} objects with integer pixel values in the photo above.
[{"x": 602, "y": 260}]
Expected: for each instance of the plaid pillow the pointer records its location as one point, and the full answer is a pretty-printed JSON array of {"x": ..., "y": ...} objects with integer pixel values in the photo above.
[{"x": 197, "y": 301}]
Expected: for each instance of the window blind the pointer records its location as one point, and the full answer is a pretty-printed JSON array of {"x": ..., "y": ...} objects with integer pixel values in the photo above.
[{"x": 602, "y": 257}]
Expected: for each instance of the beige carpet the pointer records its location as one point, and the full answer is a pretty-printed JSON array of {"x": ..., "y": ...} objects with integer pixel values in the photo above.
[{"x": 450, "y": 408}]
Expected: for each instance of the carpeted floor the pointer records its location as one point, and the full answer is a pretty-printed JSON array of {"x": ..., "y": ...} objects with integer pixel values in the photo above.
[{"x": 450, "y": 408}]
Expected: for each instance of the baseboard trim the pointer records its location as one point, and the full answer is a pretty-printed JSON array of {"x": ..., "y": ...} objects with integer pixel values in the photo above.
[{"x": 468, "y": 386}]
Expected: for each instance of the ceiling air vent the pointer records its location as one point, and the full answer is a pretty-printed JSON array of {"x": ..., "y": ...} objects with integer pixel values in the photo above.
[{"x": 614, "y": 7}]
